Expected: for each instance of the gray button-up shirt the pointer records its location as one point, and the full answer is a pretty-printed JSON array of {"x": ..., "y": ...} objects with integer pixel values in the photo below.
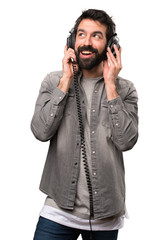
[{"x": 113, "y": 129}]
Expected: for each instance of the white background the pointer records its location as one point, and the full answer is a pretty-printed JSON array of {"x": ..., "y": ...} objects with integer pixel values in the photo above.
[{"x": 32, "y": 38}]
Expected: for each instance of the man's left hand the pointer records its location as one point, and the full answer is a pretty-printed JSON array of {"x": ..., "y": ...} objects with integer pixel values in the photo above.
[{"x": 111, "y": 68}]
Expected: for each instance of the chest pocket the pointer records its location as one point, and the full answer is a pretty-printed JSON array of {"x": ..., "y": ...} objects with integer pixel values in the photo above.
[
  {"x": 70, "y": 105},
  {"x": 104, "y": 113},
  {"x": 105, "y": 121}
]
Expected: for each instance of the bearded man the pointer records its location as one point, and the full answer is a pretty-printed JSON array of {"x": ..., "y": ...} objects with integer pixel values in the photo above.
[{"x": 85, "y": 198}]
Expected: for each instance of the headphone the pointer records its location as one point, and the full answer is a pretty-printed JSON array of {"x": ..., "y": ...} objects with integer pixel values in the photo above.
[{"x": 110, "y": 43}]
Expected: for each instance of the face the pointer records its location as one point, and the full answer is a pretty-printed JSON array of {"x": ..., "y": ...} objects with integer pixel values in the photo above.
[{"x": 90, "y": 45}]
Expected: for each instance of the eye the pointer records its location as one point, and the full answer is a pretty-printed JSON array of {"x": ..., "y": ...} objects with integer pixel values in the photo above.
[
  {"x": 96, "y": 35},
  {"x": 81, "y": 35}
]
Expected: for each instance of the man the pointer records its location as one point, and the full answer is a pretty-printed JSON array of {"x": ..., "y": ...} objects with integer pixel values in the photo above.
[{"x": 94, "y": 208}]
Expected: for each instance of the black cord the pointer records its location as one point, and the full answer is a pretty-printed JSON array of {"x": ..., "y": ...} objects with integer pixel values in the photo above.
[{"x": 83, "y": 146}]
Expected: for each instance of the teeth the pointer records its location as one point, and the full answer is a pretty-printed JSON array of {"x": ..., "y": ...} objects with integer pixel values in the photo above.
[{"x": 86, "y": 52}]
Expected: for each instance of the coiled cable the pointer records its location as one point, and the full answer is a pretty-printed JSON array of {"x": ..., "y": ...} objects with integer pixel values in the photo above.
[{"x": 83, "y": 146}]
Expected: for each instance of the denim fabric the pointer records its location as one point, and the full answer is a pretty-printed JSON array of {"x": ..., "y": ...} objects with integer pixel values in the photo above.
[
  {"x": 113, "y": 129},
  {"x": 49, "y": 230}
]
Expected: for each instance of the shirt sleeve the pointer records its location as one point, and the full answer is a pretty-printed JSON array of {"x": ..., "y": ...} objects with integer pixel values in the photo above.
[
  {"x": 48, "y": 110},
  {"x": 123, "y": 115}
]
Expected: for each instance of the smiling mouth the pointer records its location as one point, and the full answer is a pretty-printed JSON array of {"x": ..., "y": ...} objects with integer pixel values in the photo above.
[{"x": 86, "y": 54}]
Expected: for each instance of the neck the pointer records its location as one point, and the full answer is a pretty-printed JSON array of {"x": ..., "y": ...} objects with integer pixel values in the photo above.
[{"x": 94, "y": 72}]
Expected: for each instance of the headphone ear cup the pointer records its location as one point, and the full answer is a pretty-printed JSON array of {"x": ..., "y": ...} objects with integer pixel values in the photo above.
[
  {"x": 71, "y": 40},
  {"x": 113, "y": 40}
]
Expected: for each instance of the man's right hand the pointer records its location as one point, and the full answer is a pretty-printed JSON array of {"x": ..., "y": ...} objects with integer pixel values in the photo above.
[{"x": 67, "y": 75}]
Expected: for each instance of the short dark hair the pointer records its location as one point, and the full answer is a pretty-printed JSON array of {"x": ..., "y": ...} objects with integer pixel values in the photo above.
[{"x": 100, "y": 16}]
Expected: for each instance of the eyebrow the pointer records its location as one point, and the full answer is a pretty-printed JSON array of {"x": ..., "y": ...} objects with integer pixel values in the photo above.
[{"x": 99, "y": 32}]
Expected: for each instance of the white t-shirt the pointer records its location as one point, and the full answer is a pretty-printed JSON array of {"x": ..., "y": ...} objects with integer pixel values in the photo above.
[{"x": 72, "y": 221}]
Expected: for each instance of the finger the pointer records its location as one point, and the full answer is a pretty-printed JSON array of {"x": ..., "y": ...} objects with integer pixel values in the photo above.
[
  {"x": 111, "y": 56},
  {"x": 65, "y": 49},
  {"x": 72, "y": 56},
  {"x": 109, "y": 61},
  {"x": 118, "y": 53},
  {"x": 68, "y": 50},
  {"x": 69, "y": 55}
]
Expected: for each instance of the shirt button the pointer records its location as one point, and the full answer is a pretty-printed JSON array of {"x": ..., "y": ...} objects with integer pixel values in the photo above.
[
  {"x": 52, "y": 114},
  {"x": 60, "y": 97},
  {"x": 95, "y": 91},
  {"x": 93, "y": 132},
  {"x": 111, "y": 106},
  {"x": 95, "y": 193},
  {"x": 117, "y": 124},
  {"x": 94, "y": 173},
  {"x": 93, "y": 110},
  {"x": 93, "y": 152}
]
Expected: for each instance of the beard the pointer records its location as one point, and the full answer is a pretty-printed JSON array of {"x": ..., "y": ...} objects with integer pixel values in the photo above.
[{"x": 91, "y": 62}]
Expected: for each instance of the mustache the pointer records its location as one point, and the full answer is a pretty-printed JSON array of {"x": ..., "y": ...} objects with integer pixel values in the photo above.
[{"x": 87, "y": 48}]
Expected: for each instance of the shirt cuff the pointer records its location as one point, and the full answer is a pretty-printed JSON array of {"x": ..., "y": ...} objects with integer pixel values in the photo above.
[
  {"x": 115, "y": 105},
  {"x": 58, "y": 96}
]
